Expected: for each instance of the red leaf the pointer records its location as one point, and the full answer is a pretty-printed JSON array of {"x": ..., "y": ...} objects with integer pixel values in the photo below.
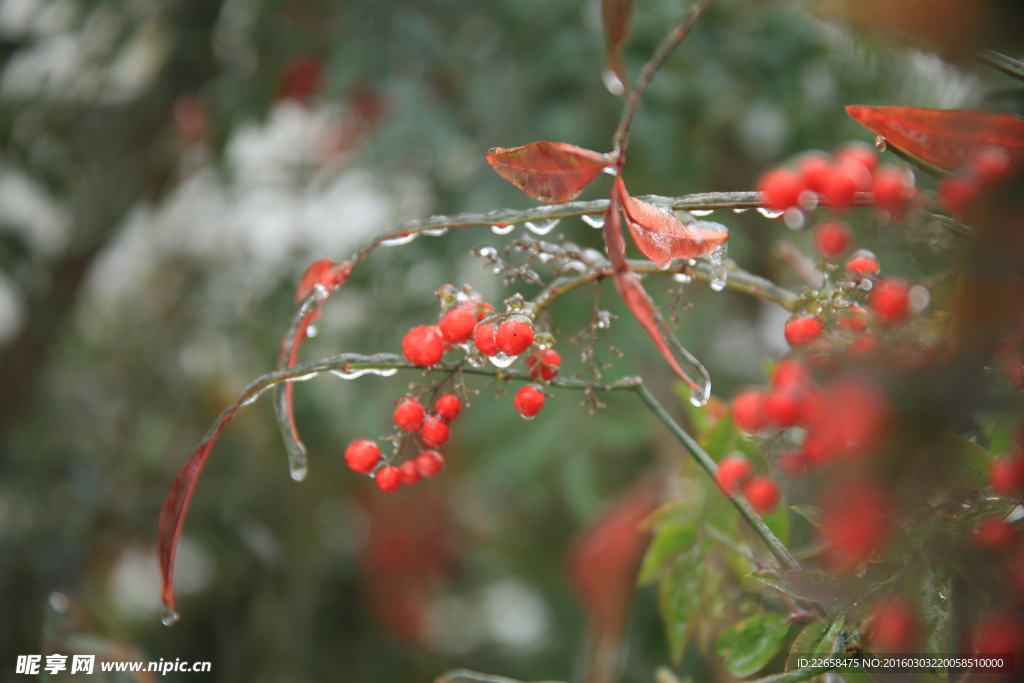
[
  {"x": 642, "y": 308},
  {"x": 552, "y": 172},
  {"x": 661, "y": 237},
  {"x": 946, "y": 138},
  {"x": 172, "y": 515},
  {"x": 615, "y": 16}
]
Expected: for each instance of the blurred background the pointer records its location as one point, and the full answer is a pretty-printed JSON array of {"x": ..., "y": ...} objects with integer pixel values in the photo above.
[{"x": 169, "y": 169}]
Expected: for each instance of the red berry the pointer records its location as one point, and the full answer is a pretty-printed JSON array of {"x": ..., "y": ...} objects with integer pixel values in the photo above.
[
  {"x": 435, "y": 431},
  {"x": 409, "y": 415},
  {"x": 862, "y": 153},
  {"x": 848, "y": 178},
  {"x": 457, "y": 325},
  {"x": 429, "y": 463},
  {"x": 514, "y": 337},
  {"x": 544, "y": 363},
  {"x": 992, "y": 165},
  {"x": 410, "y": 475},
  {"x": 959, "y": 192},
  {"x": 863, "y": 264},
  {"x": 781, "y": 189},
  {"x": 790, "y": 374},
  {"x": 996, "y": 534},
  {"x": 362, "y": 455},
  {"x": 301, "y": 78},
  {"x": 801, "y": 330},
  {"x": 389, "y": 479},
  {"x": 854, "y": 521},
  {"x": 1002, "y": 635},
  {"x": 853, "y": 320},
  {"x": 852, "y": 419},
  {"x": 423, "y": 346},
  {"x": 1007, "y": 476},
  {"x": 763, "y": 493},
  {"x": 528, "y": 401},
  {"x": 448, "y": 407},
  {"x": 892, "y": 190},
  {"x": 815, "y": 169},
  {"x": 832, "y": 238},
  {"x": 893, "y": 627},
  {"x": 890, "y": 301},
  {"x": 733, "y": 472},
  {"x": 792, "y": 464},
  {"x": 783, "y": 408},
  {"x": 864, "y": 344},
  {"x": 748, "y": 410},
  {"x": 483, "y": 338}
]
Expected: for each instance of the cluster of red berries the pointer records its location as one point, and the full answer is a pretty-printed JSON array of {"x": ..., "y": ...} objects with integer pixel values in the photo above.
[
  {"x": 833, "y": 429},
  {"x": 501, "y": 338},
  {"x": 736, "y": 473},
  {"x": 837, "y": 179},
  {"x": 987, "y": 169},
  {"x": 364, "y": 455}
]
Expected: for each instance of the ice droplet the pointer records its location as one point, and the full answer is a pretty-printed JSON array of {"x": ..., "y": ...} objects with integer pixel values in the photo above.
[
  {"x": 503, "y": 229},
  {"x": 578, "y": 266},
  {"x": 298, "y": 461},
  {"x": 594, "y": 221},
  {"x": 793, "y": 218},
  {"x": 740, "y": 210},
  {"x": 541, "y": 227},
  {"x": 544, "y": 257},
  {"x": 515, "y": 302},
  {"x": 168, "y": 617},
  {"x": 718, "y": 272},
  {"x": 682, "y": 278},
  {"x": 699, "y": 396},
  {"x": 666, "y": 265},
  {"x": 527, "y": 417},
  {"x": 487, "y": 252},
  {"x": 502, "y": 360},
  {"x": 353, "y": 374},
  {"x": 604, "y": 319},
  {"x": 919, "y": 297},
  {"x": 311, "y": 331},
  {"x": 610, "y": 170},
  {"x": 477, "y": 360},
  {"x": 612, "y": 82},
  {"x": 399, "y": 239},
  {"x": 435, "y": 233},
  {"x": 768, "y": 213},
  {"x": 702, "y": 212}
]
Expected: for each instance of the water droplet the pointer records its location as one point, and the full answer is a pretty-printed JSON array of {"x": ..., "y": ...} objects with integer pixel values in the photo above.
[
  {"x": 691, "y": 262},
  {"x": 919, "y": 298},
  {"x": 808, "y": 200},
  {"x": 682, "y": 277},
  {"x": 487, "y": 252},
  {"x": 502, "y": 360},
  {"x": 702, "y": 212},
  {"x": 541, "y": 227},
  {"x": 515, "y": 302},
  {"x": 168, "y": 617},
  {"x": 665, "y": 266},
  {"x": 435, "y": 233},
  {"x": 311, "y": 331},
  {"x": 718, "y": 271},
  {"x": 298, "y": 461},
  {"x": 503, "y": 229},
  {"x": 527, "y": 417},
  {"x": 604, "y": 319},
  {"x": 594, "y": 220},
  {"x": 793, "y": 218},
  {"x": 610, "y": 170},
  {"x": 881, "y": 144},
  {"x": 866, "y": 284},
  {"x": 768, "y": 213},
  {"x": 699, "y": 396},
  {"x": 354, "y": 374},
  {"x": 399, "y": 239},
  {"x": 612, "y": 82},
  {"x": 544, "y": 339},
  {"x": 740, "y": 210}
]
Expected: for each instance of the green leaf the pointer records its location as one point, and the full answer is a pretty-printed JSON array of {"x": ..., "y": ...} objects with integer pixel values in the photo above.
[
  {"x": 810, "y": 586},
  {"x": 668, "y": 542},
  {"x": 818, "y": 639},
  {"x": 747, "y": 647},
  {"x": 983, "y": 509},
  {"x": 934, "y": 609},
  {"x": 1004, "y": 434},
  {"x": 778, "y": 521},
  {"x": 809, "y": 512},
  {"x": 720, "y": 439},
  {"x": 680, "y": 598},
  {"x": 971, "y": 462}
]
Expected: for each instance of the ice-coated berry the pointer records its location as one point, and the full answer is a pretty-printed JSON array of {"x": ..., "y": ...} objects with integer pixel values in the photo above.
[
  {"x": 514, "y": 336},
  {"x": 458, "y": 324},
  {"x": 448, "y": 407},
  {"x": 801, "y": 330},
  {"x": 544, "y": 363},
  {"x": 483, "y": 338},
  {"x": 435, "y": 431},
  {"x": 389, "y": 479},
  {"x": 409, "y": 415},
  {"x": 362, "y": 455},
  {"x": 423, "y": 346},
  {"x": 528, "y": 401},
  {"x": 781, "y": 189},
  {"x": 429, "y": 463}
]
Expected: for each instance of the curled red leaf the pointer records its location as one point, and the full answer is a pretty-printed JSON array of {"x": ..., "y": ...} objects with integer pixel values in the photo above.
[
  {"x": 552, "y": 172},
  {"x": 615, "y": 19},
  {"x": 662, "y": 237},
  {"x": 172, "y": 515},
  {"x": 946, "y": 138}
]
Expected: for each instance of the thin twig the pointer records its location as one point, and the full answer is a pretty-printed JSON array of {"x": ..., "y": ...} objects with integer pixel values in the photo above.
[{"x": 1001, "y": 62}]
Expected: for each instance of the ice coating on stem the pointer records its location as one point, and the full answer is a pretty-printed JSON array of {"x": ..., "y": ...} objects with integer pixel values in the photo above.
[
  {"x": 541, "y": 227},
  {"x": 719, "y": 273},
  {"x": 168, "y": 615}
]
